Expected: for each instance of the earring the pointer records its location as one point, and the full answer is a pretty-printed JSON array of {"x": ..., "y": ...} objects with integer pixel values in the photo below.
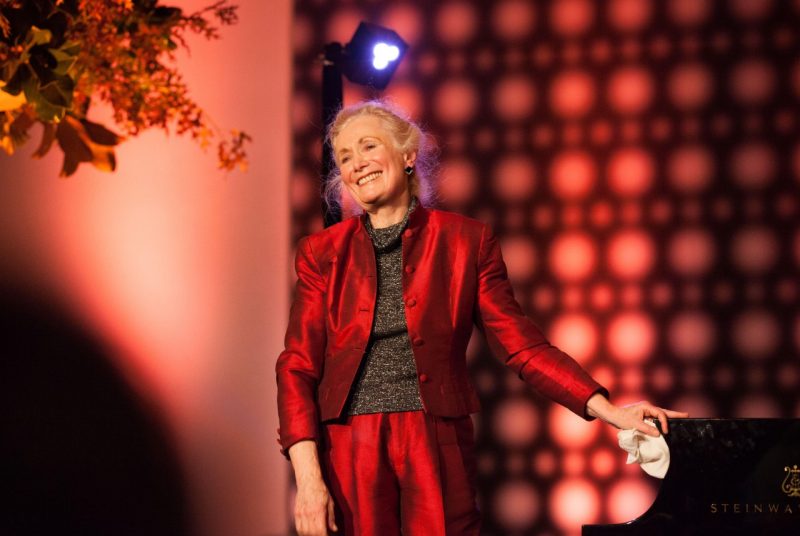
[{"x": 409, "y": 170}]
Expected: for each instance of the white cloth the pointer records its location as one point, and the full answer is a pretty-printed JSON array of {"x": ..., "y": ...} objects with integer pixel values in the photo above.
[{"x": 651, "y": 453}]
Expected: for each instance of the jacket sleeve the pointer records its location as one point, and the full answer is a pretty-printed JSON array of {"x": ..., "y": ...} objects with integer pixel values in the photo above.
[
  {"x": 299, "y": 366},
  {"x": 516, "y": 340}
]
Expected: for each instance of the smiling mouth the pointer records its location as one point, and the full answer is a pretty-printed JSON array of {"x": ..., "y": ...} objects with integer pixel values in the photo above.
[{"x": 368, "y": 178}]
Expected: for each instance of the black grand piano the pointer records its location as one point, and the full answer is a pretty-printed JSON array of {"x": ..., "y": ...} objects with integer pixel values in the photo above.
[{"x": 726, "y": 476}]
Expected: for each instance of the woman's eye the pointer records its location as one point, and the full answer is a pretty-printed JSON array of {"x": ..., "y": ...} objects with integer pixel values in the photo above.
[{"x": 345, "y": 159}]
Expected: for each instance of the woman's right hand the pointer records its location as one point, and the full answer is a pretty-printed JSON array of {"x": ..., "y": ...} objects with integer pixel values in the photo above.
[
  {"x": 313, "y": 505},
  {"x": 313, "y": 510}
]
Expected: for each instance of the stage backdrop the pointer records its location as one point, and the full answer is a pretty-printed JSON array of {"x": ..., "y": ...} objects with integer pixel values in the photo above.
[
  {"x": 182, "y": 273},
  {"x": 640, "y": 160}
]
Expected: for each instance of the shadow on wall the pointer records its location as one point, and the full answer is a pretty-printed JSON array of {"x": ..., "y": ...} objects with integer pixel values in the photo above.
[{"x": 79, "y": 451}]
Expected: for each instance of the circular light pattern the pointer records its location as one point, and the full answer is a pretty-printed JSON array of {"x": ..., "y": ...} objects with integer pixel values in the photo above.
[
  {"x": 631, "y": 337},
  {"x": 796, "y": 161},
  {"x": 574, "y": 502},
  {"x": 513, "y": 19},
  {"x": 572, "y": 256},
  {"x": 455, "y": 101},
  {"x": 568, "y": 430},
  {"x": 629, "y": 15},
  {"x": 628, "y": 498},
  {"x": 544, "y": 463},
  {"x": 456, "y": 23},
  {"x": 603, "y": 463},
  {"x": 404, "y": 19},
  {"x": 601, "y": 214},
  {"x": 696, "y": 405},
  {"x": 602, "y": 297},
  {"x": 303, "y": 190},
  {"x": 691, "y": 335},
  {"x": 514, "y": 178},
  {"x": 572, "y": 93},
  {"x": 342, "y": 25},
  {"x": 796, "y": 247},
  {"x": 631, "y": 171},
  {"x": 519, "y": 254},
  {"x": 407, "y": 97},
  {"x": 571, "y": 17},
  {"x": 630, "y": 90},
  {"x": 575, "y": 334},
  {"x": 573, "y": 463},
  {"x": 690, "y": 86},
  {"x": 302, "y": 34},
  {"x": 302, "y": 109},
  {"x": 514, "y": 97},
  {"x": 691, "y": 168},
  {"x": 516, "y": 423},
  {"x": 789, "y": 376},
  {"x": 755, "y": 334},
  {"x": 757, "y": 406},
  {"x": 631, "y": 254},
  {"x": 754, "y": 249},
  {"x": 632, "y": 379},
  {"x": 573, "y": 174},
  {"x": 691, "y": 252},
  {"x": 750, "y": 10},
  {"x": 458, "y": 182},
  {"x": 753, "y": 165},
  {"x": 689, "y": 12},
  {"x": 796, "y": 77},
  {"x": 752, "y": 81},
  {"x": 516, "y": 505},
  {"x": 662, "y": 378}
]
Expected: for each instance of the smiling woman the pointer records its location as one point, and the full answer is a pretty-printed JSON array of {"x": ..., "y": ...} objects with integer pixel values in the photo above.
[
  {"x": 371, "y": 128},
  {"x": 374, "y": 396}
]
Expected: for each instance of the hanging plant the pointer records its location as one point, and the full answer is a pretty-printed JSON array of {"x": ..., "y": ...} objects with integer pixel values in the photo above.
[{"x": 56, "y": 56}]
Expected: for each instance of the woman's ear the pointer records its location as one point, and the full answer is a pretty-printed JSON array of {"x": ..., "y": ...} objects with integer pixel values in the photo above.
[{"x": 410, "y": 158}]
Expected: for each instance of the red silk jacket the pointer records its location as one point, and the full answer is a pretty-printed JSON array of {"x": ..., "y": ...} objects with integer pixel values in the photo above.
[{"x": 453, "y": 276}]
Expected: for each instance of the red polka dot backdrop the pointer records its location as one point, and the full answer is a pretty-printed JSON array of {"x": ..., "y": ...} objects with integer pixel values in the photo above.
[{"x": 640, "y": 163}]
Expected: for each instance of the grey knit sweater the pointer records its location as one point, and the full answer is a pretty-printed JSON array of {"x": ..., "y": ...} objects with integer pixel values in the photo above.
[{"x": 387, "y": 379}]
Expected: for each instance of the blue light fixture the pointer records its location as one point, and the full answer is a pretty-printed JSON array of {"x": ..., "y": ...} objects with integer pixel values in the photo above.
[{"x": 372, "y": 55}]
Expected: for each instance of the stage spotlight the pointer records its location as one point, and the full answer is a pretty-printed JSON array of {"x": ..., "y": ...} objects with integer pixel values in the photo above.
[
  {"x": 370, "y": 59},
  {"x": 372, "y": 55}
]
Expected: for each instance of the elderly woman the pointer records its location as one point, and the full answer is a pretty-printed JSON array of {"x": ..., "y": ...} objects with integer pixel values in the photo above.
[{"x": 373, "y": 391}]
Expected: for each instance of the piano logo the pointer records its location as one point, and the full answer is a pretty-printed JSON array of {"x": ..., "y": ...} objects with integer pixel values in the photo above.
[{"x": 791, "y": 484}]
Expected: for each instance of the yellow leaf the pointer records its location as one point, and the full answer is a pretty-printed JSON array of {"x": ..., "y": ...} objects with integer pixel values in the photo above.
[{"x": 10, "y": 102}]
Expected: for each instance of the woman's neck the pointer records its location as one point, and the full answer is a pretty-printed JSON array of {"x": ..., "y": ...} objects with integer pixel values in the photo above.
[{"x": 388, "y": 215}]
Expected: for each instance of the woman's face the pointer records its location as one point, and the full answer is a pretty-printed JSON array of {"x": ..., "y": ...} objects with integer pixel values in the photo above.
[{"x": 371, "y": 167}]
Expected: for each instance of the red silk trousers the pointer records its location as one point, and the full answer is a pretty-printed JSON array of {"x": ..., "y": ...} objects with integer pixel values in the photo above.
[{"x": 404, "y": 472}]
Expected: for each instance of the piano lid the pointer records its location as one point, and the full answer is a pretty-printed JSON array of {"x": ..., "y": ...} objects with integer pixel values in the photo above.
[{"x": 726, "y": 476}]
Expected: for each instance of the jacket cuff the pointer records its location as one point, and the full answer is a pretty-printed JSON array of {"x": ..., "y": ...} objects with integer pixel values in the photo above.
[
  {"x": 601, "y": 390},
  {"x": 286, "y": 442}
]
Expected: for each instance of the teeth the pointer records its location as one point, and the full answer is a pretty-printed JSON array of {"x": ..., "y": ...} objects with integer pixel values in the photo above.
[{"x": 367, "y": 178}]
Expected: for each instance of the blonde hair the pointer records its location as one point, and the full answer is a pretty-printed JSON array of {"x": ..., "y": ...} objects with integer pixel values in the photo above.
[{"x": 406, "y": 136}]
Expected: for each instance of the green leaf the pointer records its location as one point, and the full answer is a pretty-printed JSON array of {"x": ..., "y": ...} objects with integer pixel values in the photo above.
[
  {"x": 40, "y": 36},
  {"x": 65, "y": 61},
  {"x": 18, "y": 79}
]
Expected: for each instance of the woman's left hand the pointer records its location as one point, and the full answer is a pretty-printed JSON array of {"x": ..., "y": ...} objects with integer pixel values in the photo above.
[{"x": 632, "y": 416}]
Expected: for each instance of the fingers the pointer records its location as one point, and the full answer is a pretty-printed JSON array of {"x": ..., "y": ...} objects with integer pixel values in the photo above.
[
  {"x": 331, "y": 516},
  {"x": 645, "y": 428}
]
